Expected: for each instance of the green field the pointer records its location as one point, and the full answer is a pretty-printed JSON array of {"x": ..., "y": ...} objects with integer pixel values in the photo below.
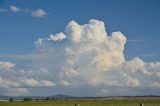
[{"x": 84, "y": 103}]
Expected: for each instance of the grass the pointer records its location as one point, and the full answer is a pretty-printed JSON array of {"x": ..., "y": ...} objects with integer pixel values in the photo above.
[{"x": 84, "y": 103}]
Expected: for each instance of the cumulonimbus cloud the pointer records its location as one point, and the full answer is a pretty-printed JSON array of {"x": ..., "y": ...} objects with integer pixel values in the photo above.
[{"x": 87, "y": 57}]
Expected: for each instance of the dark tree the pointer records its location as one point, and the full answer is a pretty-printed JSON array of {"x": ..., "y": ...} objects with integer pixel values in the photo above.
[
  {"x": 47, "y": 98},
  {"x": 11, "y": 99},
  {"x": 27, "y": 99}
]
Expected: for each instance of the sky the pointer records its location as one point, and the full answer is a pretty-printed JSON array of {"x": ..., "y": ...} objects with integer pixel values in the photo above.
[{"x": 79, "y": 47}]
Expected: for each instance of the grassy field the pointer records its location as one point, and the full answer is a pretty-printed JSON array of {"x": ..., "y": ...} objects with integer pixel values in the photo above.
[{"x": 84, "y": 103}]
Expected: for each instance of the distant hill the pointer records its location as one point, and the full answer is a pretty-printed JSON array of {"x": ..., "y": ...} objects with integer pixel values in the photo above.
[
  {"x": 62, "y": 96},
  {"x": 57, "y": 96},
  {"x": 3, "y": 97}
]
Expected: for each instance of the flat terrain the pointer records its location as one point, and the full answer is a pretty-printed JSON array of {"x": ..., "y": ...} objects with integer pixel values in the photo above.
[{"x": 84, "y": 103}]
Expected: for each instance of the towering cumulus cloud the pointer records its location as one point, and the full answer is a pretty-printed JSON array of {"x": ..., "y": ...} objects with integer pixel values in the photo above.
[{"x": 84, "y": 60}]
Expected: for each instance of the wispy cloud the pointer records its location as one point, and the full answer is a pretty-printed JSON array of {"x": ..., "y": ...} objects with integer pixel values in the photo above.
[
  {"x": 15, "y": 8},
  {"x": 149, "y": 55},
  {"x": 133, "y": 40},
  {"x": 6, "y": 65},
  {"x": 3, "y": 10},
  {"x": 35, "y": 83},
  {"x": 39, "y": 13}
]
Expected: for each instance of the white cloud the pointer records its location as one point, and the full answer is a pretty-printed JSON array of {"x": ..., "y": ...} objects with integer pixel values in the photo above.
[
  {"x": 57, "y": 37},
  {"x": 7, "y": 86},
  {"x": 6, "y": 65},
  {"x": 156, "y": 84},
  {"x": 15, "y": 8},
  {"x": 36, "y": 83},
  {"x": 94, "y": 58},
  {"x": 158, "y": 74},
  {"x": 47, "y": 83},
  {"x": 35, "y": 13},
  {"x": 39, "y": 13},
  {"x": 132, "y": 81},
  {"x": 64, "y": 83},
  {"x": 84, "y": 58},
  {"x": 44, "y": 71},
  {"x": 4, "y": 82},
  {"x": 17, "y": 91},
  {"x": 88, "y": 32}
]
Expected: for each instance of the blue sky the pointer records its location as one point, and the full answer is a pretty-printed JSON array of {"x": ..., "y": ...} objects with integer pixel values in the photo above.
[
  {"x": 138, "y": 20},
  {"x": 23, "y": 22}
]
